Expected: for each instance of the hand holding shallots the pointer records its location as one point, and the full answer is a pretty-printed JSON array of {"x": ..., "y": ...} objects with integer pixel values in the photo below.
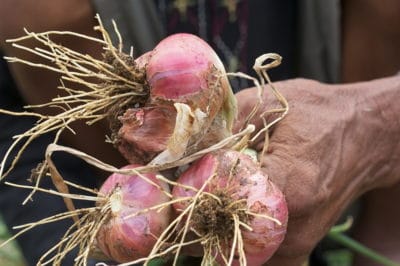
[{"x": 336, "y": 143}]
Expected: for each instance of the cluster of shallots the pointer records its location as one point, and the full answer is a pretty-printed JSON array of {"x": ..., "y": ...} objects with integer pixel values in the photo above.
[{"x": 221, "y": 206}]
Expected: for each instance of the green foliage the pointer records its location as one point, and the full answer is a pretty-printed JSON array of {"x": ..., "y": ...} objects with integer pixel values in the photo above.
[
  {"x": 340, "y": 257},
  {"x": 10, "y": 254},
  {"x": 337, "y": 234}
]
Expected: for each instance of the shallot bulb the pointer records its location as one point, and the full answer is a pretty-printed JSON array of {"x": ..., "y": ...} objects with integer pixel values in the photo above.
[
  {"x": 132, "y": 230},
  {"x": 186, "y": 78},
  {"x": 246, "y": 209}
]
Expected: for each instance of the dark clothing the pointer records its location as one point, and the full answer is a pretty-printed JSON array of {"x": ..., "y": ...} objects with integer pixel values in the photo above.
[{"x": 240, "y": 33}]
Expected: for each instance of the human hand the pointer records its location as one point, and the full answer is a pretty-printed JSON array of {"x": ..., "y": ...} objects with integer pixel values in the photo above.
[{"x": 334, "y": 144}]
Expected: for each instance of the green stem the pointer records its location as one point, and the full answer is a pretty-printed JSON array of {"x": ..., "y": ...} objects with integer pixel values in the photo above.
[{"x": 358, "y": 247}]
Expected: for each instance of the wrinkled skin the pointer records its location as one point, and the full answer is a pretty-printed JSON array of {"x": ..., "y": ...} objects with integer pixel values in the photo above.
[{"x": 336, "y": 143}]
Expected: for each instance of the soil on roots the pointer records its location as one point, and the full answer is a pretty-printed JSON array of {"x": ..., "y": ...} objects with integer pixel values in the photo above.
[
  {"x": 126, "y": 67},
  {"x": 214, "y": 215}
]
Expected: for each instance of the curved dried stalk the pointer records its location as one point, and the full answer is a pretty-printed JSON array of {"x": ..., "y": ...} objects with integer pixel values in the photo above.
[
  {"x": 261, "y": 68},
  {"x": 61, "y": 184},
  {"x": 225, "y": 143}
]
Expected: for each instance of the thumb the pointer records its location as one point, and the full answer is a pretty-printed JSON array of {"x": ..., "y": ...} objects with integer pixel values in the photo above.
[
  {"x": 289, "y": 167},
  {"x": 281, "y": 168},
  {"x": 276, "y": 153},
  {"x": 275, "y": 163}
]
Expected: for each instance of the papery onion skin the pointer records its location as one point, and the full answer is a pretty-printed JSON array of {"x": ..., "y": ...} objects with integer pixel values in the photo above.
[
  {"x": 145, "y": 132},
  {"x": 248, "y": 182},
  {"x": 182, "y": 68},
  {"x": 123, "y": 238}
]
